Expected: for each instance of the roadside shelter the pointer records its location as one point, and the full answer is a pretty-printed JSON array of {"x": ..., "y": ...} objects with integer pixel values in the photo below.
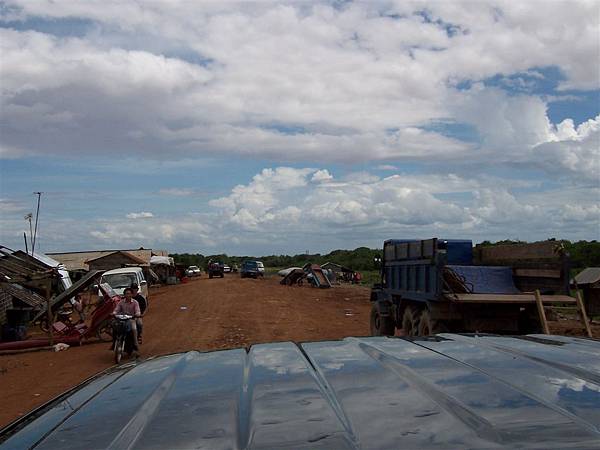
[
  {"x": 115, "y": 260},
  {"x": 341, "y": 273},
  {"x": 164, "y": 268},
  {"x": 21, "y": 277},
  {"x": 588, "y": 280}
]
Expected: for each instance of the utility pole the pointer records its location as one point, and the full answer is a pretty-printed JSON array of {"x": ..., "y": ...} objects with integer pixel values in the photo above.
[
  {"x": 28, "y": 217},
  {"x": 37, "y": 215},
  {"x": 25, "y": 239}
]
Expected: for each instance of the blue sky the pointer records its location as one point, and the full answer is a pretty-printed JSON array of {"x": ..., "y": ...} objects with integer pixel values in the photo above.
[{"x": 280, "y": 128}]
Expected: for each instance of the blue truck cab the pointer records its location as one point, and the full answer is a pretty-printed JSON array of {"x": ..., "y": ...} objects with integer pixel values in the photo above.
[{"x": 252, "y": 269}]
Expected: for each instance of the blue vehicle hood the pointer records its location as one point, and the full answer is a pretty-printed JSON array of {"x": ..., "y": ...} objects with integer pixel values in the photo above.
[{"x": 450, "y": 391}]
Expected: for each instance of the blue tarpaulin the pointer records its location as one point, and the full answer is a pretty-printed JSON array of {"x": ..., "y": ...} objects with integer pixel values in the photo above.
[{"x": 486, "y": 280}]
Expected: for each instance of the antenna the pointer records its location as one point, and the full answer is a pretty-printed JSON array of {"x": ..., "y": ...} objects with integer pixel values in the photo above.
[{"x": 37, "y": 216}]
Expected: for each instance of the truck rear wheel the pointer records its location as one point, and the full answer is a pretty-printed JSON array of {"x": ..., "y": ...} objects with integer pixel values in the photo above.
[
  {"x": 381, "y": 326},
  {"x": 410, "y": 321},
  {"x": 428, "y": 326}
]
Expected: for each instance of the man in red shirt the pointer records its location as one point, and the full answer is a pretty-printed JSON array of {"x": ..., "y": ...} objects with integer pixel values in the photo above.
[{"x": 130, "y": 307}]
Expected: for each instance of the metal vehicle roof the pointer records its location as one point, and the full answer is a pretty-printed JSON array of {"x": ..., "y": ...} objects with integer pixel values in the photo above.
[{"x": 450, "y": 391}]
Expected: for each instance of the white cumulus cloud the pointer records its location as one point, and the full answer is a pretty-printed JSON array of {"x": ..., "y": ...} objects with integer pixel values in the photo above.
[
  {"x": 353, "y": 83},
  {"x": 140, "y": 215},
  {"x": 177, "y": 192}
]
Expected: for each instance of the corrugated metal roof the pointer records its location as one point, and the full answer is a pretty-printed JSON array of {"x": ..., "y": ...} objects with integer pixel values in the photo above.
[
  {"x": 77, "y": 260},
  {"x": 451, "y": 391},
  {"x": 50, "y": 262},
  {"x": 21, "y": 267},
  {"x": 339, "y": 267},
  {"x": 25, "y": 295},
  {"x": 590, "y": 275},
  {"x": 126, "y": 254}
]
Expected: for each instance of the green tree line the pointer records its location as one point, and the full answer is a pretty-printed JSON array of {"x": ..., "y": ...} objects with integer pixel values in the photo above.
[
  {"x": 583, "y": 254},
  {"x": 358, "y": 259}
]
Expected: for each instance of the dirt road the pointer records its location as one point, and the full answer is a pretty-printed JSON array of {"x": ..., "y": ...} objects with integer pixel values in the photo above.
[{"x": 202, "y": 315}]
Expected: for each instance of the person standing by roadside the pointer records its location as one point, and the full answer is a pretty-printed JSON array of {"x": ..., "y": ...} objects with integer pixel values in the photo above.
[{"x": 143, "y": 306}]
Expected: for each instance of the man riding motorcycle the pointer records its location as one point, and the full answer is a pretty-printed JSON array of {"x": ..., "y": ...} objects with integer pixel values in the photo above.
[
  {"x": 130, "y": 307},
  {"x": 143, "y": 306}
]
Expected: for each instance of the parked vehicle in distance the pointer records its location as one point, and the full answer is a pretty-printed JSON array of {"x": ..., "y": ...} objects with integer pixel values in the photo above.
[
  {"x": 261, "y": 267},
  {"x": 235, "y": 268},
  {"x": 251, "y": 269},
  {"x": 226, "y": 268},
  {"x": 215, "y": 269},
  {"x": 193, "y": 271},
  {"x": 119, "y": 279}
]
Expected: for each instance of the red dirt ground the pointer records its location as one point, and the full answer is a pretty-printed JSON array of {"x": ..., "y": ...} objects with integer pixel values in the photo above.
[{"x": 221, "y": 313}]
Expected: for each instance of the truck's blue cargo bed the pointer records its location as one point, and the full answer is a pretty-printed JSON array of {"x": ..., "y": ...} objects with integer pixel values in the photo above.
[{"x": 486, "y": 279}]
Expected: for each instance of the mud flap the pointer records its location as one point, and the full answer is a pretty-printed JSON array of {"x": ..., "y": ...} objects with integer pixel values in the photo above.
[
  {"x": 384, "y": 308},
  {"x": 383, "y": 305}
]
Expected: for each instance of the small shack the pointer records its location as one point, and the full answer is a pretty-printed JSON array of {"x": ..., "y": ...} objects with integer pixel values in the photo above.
[
  {"x": 115, "y": 260},
  {"x": 76, "y": 261},
  {"x": 164, "y": 268},
  {"x": 340, "y": 272},
  {"x": 21, "y": 275},
  {"x": 588, "y": 280}
]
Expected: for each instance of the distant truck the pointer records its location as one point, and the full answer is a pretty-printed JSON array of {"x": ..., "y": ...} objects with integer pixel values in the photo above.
[
  {"x": 215, "y": 269},
  {"x": 442, "y": 285},
  {"x": 252, "y": 269}
]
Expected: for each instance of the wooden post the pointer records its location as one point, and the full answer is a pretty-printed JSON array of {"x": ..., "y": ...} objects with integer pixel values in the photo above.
[
  {"x": 541, "y": 312},
  {"x": 50, "y": 315},
  {"x": 584, "y": 316}
]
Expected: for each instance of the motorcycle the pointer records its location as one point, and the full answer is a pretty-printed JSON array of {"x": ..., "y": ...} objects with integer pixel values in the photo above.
[{"x": 122, "y": 337}]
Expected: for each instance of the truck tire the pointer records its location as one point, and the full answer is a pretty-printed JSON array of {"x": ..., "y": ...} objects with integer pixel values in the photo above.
[
  {"x": 381, "y": 326},
  {"x": 210, "y": 275},
  {"x": 427, "y": 326},
  {"x": 410, "y": 321}
]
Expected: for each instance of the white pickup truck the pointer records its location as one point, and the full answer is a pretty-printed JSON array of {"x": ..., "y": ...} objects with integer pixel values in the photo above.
[{"x": 119, "y": 279}]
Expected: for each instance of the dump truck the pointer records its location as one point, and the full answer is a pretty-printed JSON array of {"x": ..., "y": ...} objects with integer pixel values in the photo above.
[{"x": 444, "y": 285}]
